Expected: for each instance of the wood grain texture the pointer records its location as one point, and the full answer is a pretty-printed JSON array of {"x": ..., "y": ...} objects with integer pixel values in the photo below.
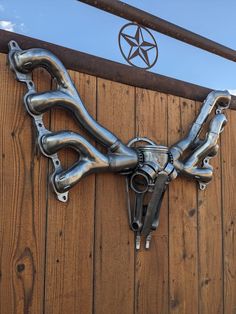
[
  {"x": 114, "y": 245},
  {"x": 210, "y": 243},
  {"x": 228, "y": 163},
  {"x": 151, "y": 277},
  {"x": 69, "y": 260},
  {"x": 183, "y": 266},
  {"x": 23, "y": 201}
]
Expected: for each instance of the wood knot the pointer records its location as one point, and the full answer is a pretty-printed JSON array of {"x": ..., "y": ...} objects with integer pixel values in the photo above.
[
  {"x": 174, "y": 303},
  {"x": 184, "y": 255},
  {"x": 205, "y": 282},
  {"x": 192, "y": 212},
  {"x": 20, "y": 268}
]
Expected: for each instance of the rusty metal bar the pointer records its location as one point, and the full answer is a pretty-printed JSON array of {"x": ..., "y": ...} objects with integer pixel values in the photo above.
[
  {"x": 155, "y": 23},
  {"x": 114, "y": 71}
]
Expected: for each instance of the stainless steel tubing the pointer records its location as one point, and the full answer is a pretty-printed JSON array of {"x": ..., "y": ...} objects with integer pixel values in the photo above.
[
  {"x": 91, "y": 160},
  {"x": 27, "y": 60},
  {"x": 190, "y": 167},
  {"x": 222, "y": 98}
]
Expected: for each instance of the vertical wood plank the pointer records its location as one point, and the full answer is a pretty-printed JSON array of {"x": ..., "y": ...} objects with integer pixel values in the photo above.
[
  {"x": 114, "y": 251},
  {"x": 69, "y": 262},
  {"x": 210, "y": 243},
  {"x": 228, "y": 162},
  {"x": 151, "y": 280},
  {"x": 183, "y": 266},
  {"x": 23, "y": 201}
]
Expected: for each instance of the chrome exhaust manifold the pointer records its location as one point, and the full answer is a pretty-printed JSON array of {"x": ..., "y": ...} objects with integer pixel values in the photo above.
[
  {"x": 148, "y": 167},
  {"x": 119, "y": 157}
]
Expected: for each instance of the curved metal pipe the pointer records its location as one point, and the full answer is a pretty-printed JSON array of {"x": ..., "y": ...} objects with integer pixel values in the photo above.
[
  {"x": 215, "y": 97},
  {"x": 91, "y": 160},
  {"x": 66, "y": 179},
  {"x": 53, "y": 142},
  {"x": 208, "y": 146},
  {"x": 27, "y": 60}
]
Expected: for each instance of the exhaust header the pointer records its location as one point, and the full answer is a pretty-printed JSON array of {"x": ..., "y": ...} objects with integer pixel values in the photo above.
[{"x": 148, "y": 167}]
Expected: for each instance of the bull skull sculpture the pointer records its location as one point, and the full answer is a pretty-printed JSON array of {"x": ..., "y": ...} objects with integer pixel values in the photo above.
[{"x": 148, "y": 167}]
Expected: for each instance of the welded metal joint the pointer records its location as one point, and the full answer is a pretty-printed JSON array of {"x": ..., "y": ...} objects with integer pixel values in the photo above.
[{"x": 147, "y": 166}]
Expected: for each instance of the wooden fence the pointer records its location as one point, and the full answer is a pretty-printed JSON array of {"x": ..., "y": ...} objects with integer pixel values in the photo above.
[{"x": 79, "y": 257}]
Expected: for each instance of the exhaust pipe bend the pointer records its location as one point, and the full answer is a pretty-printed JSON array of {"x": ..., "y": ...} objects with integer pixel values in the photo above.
[
  {"x": 214, "y": 98},
  {"x": 27, "y": 60},
  {"x": 39, "y": 103},
  {"x": 91, "y": 160},
  {"x": 208, "y": 147}
]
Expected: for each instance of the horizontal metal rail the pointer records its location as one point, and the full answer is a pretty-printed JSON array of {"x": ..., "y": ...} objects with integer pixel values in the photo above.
[
  {"x": 114, "y": 71},
  {"x": 155, "y": 23}
]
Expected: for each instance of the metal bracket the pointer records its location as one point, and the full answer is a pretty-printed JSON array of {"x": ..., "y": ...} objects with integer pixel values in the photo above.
[{"x": 38, "y": 119}]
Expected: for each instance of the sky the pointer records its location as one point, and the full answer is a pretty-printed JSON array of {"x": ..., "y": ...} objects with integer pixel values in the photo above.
[{"x": 73, "y": 24}]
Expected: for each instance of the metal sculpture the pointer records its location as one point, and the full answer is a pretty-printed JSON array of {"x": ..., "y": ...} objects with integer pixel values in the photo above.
[
  {"x": 148, "y": 167},
  {"x": 141, "y": 44}
]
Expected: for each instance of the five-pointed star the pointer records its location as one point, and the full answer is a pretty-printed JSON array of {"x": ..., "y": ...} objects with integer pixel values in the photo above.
[{"x": 138, "y": 46}]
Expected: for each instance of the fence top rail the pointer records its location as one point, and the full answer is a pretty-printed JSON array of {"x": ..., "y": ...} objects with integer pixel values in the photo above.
[
  {"x": 110, "y": 70},
  {"x": 155, "y": 23}
]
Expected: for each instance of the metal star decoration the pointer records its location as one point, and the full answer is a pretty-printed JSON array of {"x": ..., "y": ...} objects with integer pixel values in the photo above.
[{"x": 139, "y": 45}]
